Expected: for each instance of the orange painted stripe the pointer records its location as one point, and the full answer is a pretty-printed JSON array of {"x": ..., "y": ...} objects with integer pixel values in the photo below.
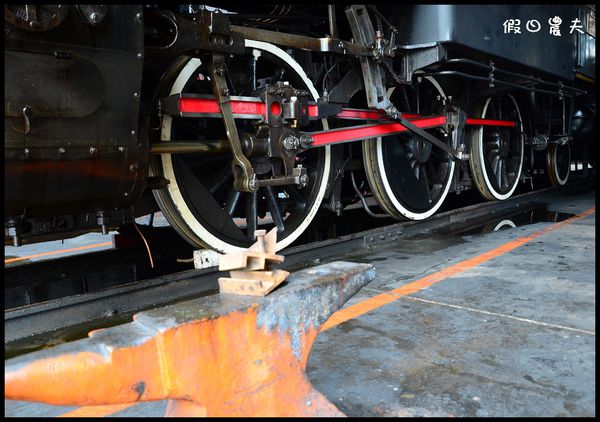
[
  {"x": 375, "y": 302},
  {"x": 37, "y": 255},
  {"x": 96, "y": 411}
]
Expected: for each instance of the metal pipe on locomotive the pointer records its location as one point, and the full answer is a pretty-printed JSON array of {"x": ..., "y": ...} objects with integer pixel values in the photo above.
[{"x": 227, "y": 122}]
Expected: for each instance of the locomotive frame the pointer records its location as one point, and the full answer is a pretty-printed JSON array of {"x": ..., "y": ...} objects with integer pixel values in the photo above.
[{"x": 228, "y": 121}]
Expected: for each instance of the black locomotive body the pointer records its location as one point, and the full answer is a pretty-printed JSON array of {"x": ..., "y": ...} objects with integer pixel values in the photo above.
[
  {"x": 471, "y": 31},
  {"x": 72, "y": 102},
  {"x": 97, "y": 131}
]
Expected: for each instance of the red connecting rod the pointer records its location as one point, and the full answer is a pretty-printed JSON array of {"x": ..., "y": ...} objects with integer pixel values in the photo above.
[{"x": 249, "y": 107}]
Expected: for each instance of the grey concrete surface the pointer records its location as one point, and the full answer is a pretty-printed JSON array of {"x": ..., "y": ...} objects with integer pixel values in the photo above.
[{"x": 513, "y": 336}]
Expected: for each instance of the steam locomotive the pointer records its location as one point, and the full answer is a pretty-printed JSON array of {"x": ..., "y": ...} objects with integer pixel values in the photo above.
[{"x": 260, "y": 116}]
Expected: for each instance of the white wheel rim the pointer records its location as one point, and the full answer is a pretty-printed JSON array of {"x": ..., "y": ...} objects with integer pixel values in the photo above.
[
  {"x": 388, "y": 189},
  {"x": 504, "y": 223},
  {"x": 554, "y": 169},
  {"x": 167, "y": 164},
  {"x": 497, "y": 195}
]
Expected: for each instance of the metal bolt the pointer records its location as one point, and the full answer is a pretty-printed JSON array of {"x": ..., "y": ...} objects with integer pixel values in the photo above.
[
  {"x": 138, "y": 17},
  {"x": 291, "y": 142},
  {"x": 304, "y": 179},
  {"x": 26, "y": 151},
  {"x": 62, "y": 150},
  {"x": 132, "y": 167},
  {"x": 95, "y": 17},
  {"x": 136, "y": 95},
  {"x": 140, "y": 55},
  {"x": 225, "y": 91},
  {"x": 93, "y": 150},
  {"x": 121, "y": 149},
  {"x": 306, "y": 140},
  {"x": 133, "y": 132},
  {"x": 125, "y": 194},
  {"x": 253, "y": 184}
]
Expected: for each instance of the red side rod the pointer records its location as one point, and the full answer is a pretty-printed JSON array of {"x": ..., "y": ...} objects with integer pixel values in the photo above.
[
  {"x": 337, "y": 136},
  {"x": 255, "y": 108},
  {"x": 192, "y": 106},
  {"x": 198, "y": 107}
]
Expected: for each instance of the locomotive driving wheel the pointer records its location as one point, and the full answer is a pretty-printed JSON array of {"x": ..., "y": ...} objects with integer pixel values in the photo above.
[
  {"x": 200, "y": 201},
  {"x": 408, "y": 176},
  {"x": 558, "y": 163},
  {"x": 496, "y": 158}
]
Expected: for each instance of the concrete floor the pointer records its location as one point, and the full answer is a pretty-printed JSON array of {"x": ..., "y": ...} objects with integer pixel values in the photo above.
[{"x": 512, "y": 336}]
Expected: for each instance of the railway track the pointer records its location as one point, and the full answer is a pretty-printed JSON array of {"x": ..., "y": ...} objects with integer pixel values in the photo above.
[{"x": 50, "y": 322}]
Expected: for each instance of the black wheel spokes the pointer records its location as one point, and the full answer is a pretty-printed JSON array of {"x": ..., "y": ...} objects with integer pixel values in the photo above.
[
  {"x": 232, "y": 200},
  {"x": 274, "y": 208},
  {"x": 224, "y": 175},
  {"x": 435, "y": 180},
  {"x": 420, "y": 183},
  {"x": 439, "y": 155},
  {"x": 412, "y": 191},
  {"x": 435, "y": 177},
  {"x": 409, "y": 154},
  {"x": 251, "y": 214},
  {"x": 501, "y": 166},
  {"x": 494, "y": 161},
  {"x": 497, "y": 168},
  {"x": 424, "y": 182},
  {"x": 295, "y": 196},
  {"x": 498, "y": 172},
  {"x": 205, "y": 203},
  {"x": 513, "y": 163},
  {"x": 504, "y": 174}
]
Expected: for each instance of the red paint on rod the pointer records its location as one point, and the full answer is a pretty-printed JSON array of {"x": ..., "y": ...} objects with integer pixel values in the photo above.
[
  {"x": 490, "y": 122},
  {"x": 210, "y": 106},
  {"x": 371, "y": 131}
]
